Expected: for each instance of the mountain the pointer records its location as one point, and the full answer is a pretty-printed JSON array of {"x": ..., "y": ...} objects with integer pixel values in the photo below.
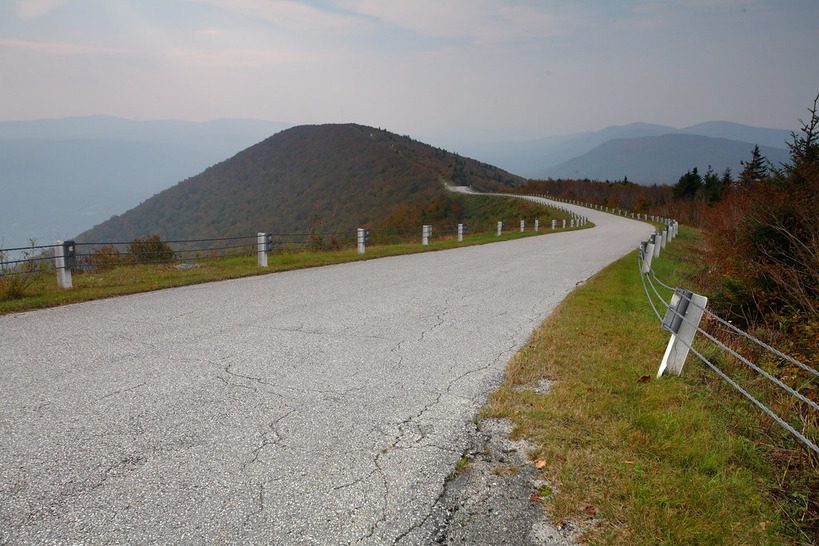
[
  {"x": 61, "y": 176},
  {"x": 661, "y": 159},
  {"x": 537, "y": 158},
  {"x": 329, "y": 177},
  {"x": 532, "y": 157},
  {"x": 773, "y": 138}
]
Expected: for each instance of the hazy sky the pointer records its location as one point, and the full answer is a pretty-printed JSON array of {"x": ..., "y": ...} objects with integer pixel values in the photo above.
[{"x": 435, "y": 69}]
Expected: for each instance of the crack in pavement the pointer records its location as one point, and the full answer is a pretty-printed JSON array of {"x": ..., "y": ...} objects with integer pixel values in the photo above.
[
  {"x": 266, "y": 440},
  {"x": 120, "y": 391}
]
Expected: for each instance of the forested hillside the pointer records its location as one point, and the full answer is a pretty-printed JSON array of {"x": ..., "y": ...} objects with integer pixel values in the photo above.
[{"x": 320, "y": 177}]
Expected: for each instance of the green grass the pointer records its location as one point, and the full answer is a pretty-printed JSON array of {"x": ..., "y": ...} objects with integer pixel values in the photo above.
[
  {"x": 661, "y": 461},
  {"x": 43, "y": 292}
]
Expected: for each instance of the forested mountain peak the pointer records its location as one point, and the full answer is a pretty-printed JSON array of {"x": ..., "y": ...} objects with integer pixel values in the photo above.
[{"x": 334, "y": 176}]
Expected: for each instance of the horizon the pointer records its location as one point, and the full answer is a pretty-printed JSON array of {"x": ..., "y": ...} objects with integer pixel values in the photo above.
[{"x": 459, "y": 70}]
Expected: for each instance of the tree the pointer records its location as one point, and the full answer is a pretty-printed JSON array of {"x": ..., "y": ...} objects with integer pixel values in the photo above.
[
  {"x": 713, "y": 185},
  {"x": 688, "y": 185},
  {"x": 754, "y": 170}
]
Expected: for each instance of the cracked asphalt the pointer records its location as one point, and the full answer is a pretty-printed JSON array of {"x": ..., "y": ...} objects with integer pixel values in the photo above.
[{"x": 321, "y": 406}]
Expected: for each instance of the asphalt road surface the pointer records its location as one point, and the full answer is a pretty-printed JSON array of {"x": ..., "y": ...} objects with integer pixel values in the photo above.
[{"x": 322, "y": 406}]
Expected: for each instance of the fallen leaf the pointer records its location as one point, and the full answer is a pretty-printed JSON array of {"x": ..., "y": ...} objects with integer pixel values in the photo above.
[
  {"x": 644, "y": 379},
  {"x": 590, "y": 510},
  {"x": 535, "y": 498},
  {"x": 628, "y": 462},
  {"x": 540, "y": 463},
  {"x": 589, "y": 389}
]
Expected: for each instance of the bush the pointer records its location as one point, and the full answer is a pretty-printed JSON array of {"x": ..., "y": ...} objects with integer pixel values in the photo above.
[
  {"x": 151, "y": 249},
  {"x": 16, "y": 278},
  {"x": 104, "y": 258}
]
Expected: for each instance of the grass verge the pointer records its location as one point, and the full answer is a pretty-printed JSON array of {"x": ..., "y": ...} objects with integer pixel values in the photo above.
[
  {"x": 43, "y": 292},
  {"x": 633, "y": 459}
]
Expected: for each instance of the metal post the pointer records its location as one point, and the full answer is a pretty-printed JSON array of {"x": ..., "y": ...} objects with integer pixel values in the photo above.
[
  {"x": 658, "y": 243},
  {"x": 460, "y": 233},
  {"x": 500, "y": 228},
  {"x": 522, "y": 226},
  {"x": 63, "y": 273},
  {"x": 261, "y": 249},
  {"x": 361, "y": 238},
  {"x": 683, "y": 304},
  {"x": 426, "y": 231}
]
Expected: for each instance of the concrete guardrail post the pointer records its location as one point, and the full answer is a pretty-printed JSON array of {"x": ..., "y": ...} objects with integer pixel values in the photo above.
[
  {"x": 426, "y": 232},
  {"x": 361, "y": 238},
  {"x": 61, "y": 263},
  {"x": 460, "y": 233},
  {"x": 500, "y": 228}
]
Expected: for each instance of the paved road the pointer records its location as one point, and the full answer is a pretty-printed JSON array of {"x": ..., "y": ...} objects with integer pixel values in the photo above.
[{"x": 323, "y": 406}]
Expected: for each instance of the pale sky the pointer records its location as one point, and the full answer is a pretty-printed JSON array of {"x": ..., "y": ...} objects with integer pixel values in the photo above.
[{"x": 434, "y": 69}]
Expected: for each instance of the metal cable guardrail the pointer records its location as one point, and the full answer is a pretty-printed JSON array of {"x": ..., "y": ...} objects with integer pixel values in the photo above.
[
  {"x": 646, "y": 280},
  {"x": 83, "y": 254},
  {"x": 743, "y": 333}
]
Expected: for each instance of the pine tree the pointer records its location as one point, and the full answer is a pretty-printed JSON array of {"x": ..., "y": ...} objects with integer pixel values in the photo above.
[
  {"x": 689, "y": 184},
  {"x": 754, "y": 170}
]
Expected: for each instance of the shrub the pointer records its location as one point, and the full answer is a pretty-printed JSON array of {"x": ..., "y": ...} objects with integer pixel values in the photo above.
[
  {"x": 104, "y": 258},
  {"x": 151, "y": 249}
]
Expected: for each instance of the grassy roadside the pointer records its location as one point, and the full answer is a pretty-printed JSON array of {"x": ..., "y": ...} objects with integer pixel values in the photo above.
[
  {"x": 43, "y": 292},
  {"x": 633, "y": 459}
]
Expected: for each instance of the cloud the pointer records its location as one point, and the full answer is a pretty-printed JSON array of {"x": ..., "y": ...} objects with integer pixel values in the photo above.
[
  {"x": 60, "y": 48},
  {"x": 477, "y": 21},
  {"x": 31, "y": 9},
  {"x": 237, "y": 58},
  {"x": 285, "y": 13}
]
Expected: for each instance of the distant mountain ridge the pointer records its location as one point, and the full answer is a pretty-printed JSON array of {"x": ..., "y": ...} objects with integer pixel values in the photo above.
[
  {"x": 546, "y": 157},
  {"x": 661, "y": 159},
  {"x": 326, "y": 177}
]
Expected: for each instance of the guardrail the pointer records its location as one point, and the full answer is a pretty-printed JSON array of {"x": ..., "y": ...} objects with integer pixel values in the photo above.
[
  {"x": 681, "y": 317},
  {"x": 63, "y": 257}
]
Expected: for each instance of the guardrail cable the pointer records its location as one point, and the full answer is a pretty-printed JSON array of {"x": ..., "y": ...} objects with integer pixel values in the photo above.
[
  {"x": 741, "y": 332},
  {"x": 741, "y": 358},
  {"x": 646, "y": 281}
]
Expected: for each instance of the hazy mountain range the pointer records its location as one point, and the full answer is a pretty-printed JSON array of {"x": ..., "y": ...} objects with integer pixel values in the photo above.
[
  {"x": 588, "y": 154},
  {"x": 59, "y": 177}
]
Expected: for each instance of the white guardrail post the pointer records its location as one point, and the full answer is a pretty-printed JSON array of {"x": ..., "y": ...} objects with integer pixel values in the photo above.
[
  {"x": 681, "y": 319},
  {"x": 460, "y": 233},
  {"x": 361, "y": 239},
  {"x": 647, "y": 251},
  {"x": 62, "y": 263},
  {"x": 522, "y": 226},
  {"x": 500, "y": 228},
  {"x": 426, "y": 231},
  {"x": 554, "y": 224},
  {"x": 264, "y": 242},
  {"x": 537, "y": 224}
]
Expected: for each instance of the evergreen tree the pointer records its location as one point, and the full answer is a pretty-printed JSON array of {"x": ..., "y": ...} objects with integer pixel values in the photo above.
[
  {"x": 712, "y": 186},
  {"x": 754, "y": 170},
  {"x": 688, "y": 185}
]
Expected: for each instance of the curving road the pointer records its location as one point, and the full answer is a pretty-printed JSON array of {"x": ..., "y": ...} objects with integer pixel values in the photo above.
[{"x": 322, "y": 406}]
